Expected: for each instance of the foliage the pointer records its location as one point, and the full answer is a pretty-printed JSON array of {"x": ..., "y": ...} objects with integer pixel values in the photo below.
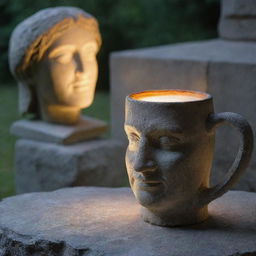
[{"x": 124, "y": 24}]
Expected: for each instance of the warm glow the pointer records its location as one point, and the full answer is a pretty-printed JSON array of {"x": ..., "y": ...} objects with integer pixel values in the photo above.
[{"x": 169, "y": 96}]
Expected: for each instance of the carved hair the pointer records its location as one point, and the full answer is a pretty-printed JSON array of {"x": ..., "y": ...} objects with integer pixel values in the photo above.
[{"x": 32, "y": 37}]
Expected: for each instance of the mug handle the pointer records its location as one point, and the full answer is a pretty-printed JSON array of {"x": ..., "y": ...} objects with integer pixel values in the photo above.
[{"x": 242, "y": 158}]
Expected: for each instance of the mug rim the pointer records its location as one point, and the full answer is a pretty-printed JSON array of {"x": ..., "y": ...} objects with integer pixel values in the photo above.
[{"x": 206, "y": 96}]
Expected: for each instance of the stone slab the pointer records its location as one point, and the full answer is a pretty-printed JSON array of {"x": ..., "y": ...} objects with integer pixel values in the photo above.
[
  {"x": 226, "y": 69},
  {"x": 87, "y": 128},
  {"x": 42, "y": 166},
  {"x": 106, "y": 221},
  {"x": 238, "y": 8},
  {"x": 182, "y": 66}
]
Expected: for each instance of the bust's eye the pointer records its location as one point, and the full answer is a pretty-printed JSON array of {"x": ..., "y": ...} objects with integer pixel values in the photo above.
[
  {"x": 167, "y": 142},
  {"x": 62, "y": 54},
  {"x": 89, "y": 56},
  {"x": 63, "y": 58}
]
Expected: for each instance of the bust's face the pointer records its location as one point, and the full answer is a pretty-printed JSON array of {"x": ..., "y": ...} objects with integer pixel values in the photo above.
[{"x": 68, "y": 71}]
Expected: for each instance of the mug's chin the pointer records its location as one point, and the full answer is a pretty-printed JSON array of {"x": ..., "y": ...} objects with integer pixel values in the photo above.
[{"x": 149, "y": 198}]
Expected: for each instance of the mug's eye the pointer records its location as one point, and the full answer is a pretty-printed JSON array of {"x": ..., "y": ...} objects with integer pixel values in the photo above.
[
  {"x": 133, "y": 140},
  {"x": 167, "y": 142},
  {"x": 133, "y": 137}
]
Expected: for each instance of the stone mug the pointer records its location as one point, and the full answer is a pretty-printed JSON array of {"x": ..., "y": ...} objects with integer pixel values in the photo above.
[{"x": 171, "y": 137}]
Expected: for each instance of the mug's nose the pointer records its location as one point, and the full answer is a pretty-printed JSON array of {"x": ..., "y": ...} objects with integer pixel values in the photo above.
[{"x": 144, "y": 161}]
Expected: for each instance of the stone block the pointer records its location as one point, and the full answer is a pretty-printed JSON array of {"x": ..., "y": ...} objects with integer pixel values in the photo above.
[
  {"x": 238, "y": 8},
  {"x": 238, "y": 29},
  {"x": 238, "y": 20},
  {"x": 42, "y": 166},
  {"x": 106, "y": 221},
  {"x": 226, "y": 69},
  {"x": 86, "y": 129}
]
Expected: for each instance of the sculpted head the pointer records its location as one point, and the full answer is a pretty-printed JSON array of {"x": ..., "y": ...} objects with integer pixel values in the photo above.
[
  {"x": 165, "y": 140},
  {"x": 52, "y": 55}
]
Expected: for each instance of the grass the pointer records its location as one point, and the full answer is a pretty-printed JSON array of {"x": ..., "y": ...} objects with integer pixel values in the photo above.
[{"x": 9, "y": 113}]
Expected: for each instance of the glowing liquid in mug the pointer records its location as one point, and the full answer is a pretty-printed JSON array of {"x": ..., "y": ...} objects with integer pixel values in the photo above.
[{"x": 169, "y": 96}]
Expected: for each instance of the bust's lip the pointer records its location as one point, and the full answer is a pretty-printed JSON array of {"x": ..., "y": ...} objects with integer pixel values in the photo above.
[
  {"x": 80, "y": 82},
  {"x": 81, "y": 85}
]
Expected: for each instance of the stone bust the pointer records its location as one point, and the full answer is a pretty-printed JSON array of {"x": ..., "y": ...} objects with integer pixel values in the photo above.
[{"x": 52, "y": 55}]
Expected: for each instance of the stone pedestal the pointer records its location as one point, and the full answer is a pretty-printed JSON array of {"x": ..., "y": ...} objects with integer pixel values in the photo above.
[
  {"x": 106, "y": 221},
  {"x": 42, "y": 166},
  {"x": 50, "y": 156},
  {"x": 87, "y": 128}
]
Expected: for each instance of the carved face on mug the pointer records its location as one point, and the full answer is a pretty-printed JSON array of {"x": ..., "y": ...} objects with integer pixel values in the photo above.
[
  {"x": 67, "y": 73},
  {"x": 162, "y": 156}
]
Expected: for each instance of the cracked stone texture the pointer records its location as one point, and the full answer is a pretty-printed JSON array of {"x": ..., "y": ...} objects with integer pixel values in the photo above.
[
  {"x": 106, "y": 221},
  {"x": 225, "y": 69},
  {"x": 42, "y": 166}
]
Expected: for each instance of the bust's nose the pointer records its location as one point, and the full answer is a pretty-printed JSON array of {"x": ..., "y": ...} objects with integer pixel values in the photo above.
[
  {"x": 144, "y": 161},
  {"x": 80, "y": 65}
]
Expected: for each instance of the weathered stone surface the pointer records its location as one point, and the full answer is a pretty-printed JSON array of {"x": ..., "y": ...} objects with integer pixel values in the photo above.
[
  {"x": 238, "y": 8},
  {"x": 86, "y": 129},
  {"x": 44, "y": 166},
  {"x": 240, "y": 29},
  {"x": 226, "y": 69},
  {"x": 238, "y": 20},
  {"x": 103, "y": 221}
]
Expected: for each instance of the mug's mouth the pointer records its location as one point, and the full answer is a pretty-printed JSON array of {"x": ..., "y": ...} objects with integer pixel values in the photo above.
[
  {"x": 151, "y": 182},
  {"x": 149, "y": 185},
  {"x": 148, "y": 181},
  {"x": 170, "y": 96}
]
